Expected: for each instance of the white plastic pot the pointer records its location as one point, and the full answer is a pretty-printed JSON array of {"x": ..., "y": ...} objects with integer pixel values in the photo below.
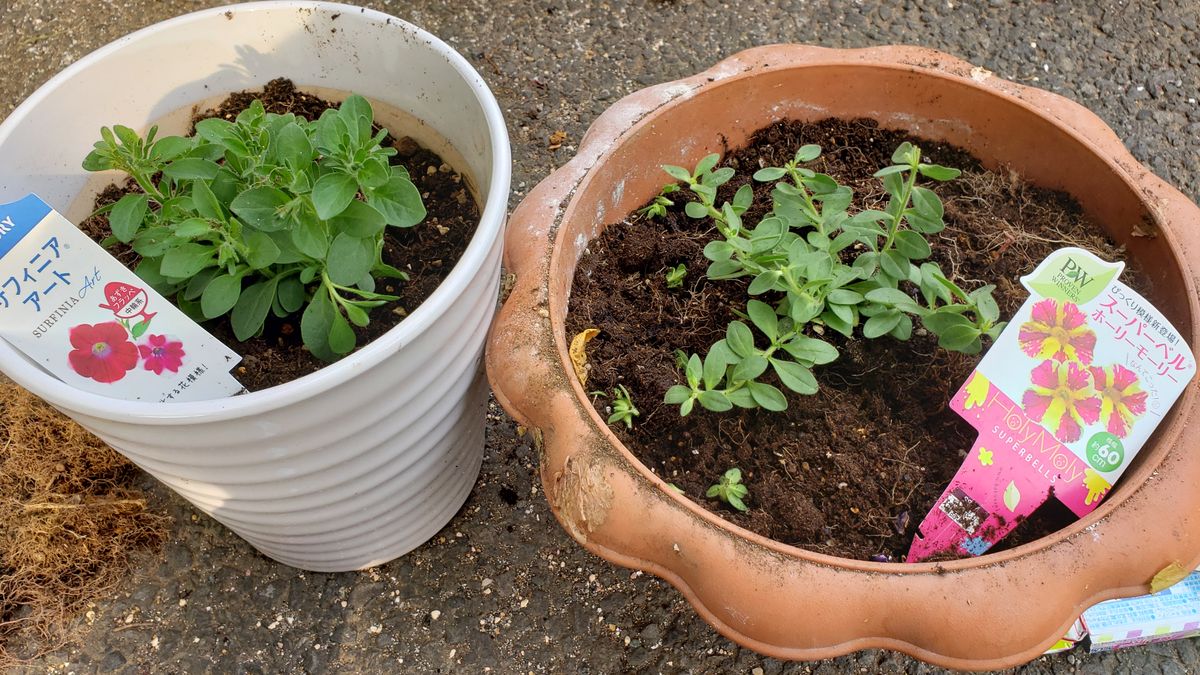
[{"x": 367, "y": 458}]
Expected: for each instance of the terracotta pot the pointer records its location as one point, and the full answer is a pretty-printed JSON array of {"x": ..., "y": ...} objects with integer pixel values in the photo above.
[{"x": 990, "y": 612}]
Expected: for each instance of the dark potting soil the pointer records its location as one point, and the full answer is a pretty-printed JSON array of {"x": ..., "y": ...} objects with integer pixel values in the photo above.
[
  {"x": 852, "y": 470},
  {"x": 427, "y": 251}
]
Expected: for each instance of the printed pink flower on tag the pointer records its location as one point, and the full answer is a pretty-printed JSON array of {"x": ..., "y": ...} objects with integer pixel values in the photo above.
[
  {"x": 102, "y": 351},
  {"x": 1058, "y": 332},
  {"x": 159, "y": 354},
  {"x": 1121, "y": 398},
  {"x": 1062, "y": 399}
]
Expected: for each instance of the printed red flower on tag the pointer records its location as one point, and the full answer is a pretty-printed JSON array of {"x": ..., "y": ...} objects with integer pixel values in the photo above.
[
  {"x": 160, "y": 354},
  {"x": 1121, "y": 398},
  {"x": 102, "y": 351},
  {"x": 1057, "y": 331},
  {"x": 1062, "y": 399}
]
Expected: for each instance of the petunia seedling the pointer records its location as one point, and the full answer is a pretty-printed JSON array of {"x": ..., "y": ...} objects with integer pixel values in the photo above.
[
  {"x": 265, "y": 214},
  {"x": 730, "y": 490}
]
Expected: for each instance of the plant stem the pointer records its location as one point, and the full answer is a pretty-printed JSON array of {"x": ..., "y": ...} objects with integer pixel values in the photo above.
[{"x": 905, "y": 196}]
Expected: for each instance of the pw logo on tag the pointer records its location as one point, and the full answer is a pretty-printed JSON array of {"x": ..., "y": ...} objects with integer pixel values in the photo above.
[
  {"x": 1064, "y": 399},
  {"x": 84, "y": 317}
]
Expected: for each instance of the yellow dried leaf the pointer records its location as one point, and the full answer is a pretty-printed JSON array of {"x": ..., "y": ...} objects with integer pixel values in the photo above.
[
  {"x": 1167, "y": 577},
  {"x": 578, "y": 353}
]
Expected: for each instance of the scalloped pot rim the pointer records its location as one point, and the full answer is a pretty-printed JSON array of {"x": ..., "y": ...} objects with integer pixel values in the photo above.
[
  {"x": 536, "y": 385},
  {"x": 491, "y": 225}
]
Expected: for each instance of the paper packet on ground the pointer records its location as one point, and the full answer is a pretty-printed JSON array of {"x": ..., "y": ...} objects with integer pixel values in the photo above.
[
  {"x": 1170, "y": 614},
  {"x": 84, "y": 317},
  {"x": 1063, "y": 400}
]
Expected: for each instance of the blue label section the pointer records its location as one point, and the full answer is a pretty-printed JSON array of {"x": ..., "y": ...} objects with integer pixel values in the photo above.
[{"x": 18, "y": 219}]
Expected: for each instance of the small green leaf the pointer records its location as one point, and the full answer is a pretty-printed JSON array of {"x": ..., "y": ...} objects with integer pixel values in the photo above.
[
  {"x": 769, "y": 174},
  {"x": 192, "y": 228},
  {"x": 168, "y": 148},
  {"x": 191, "y": 168},
  {"x": 714, "y": 401},
  {"x": 889, "y": 296},
  {"x": 315, "y": 324},
  {"x": 807, "y": 153},
  {"x": 399, "y": 201},
  {"x": 311, "y": 239},
  {"x": 139, "y": 329},
  {"x": 677, "y": 394},
  {"x": 332, "y": 193},
  {"x": 293, "y": 147},
  {"x": 889, "y": 170},
  {"x": 185, "y": 260},
  {"x": 714, "y": 369},
  {"x": 936, "y": 172},
  {"x": 764, "y": 317},
  {"x": 291, "y": 294},
  {"x": 263, "y": 250},
  {"x": 767, "y": 396},
  {"x": 795, "y": 376},
  {"x": 912, "y": 245},
  {"x": 358, "y": 220},
  {"x": 958, "y": 338},
  {"x": 341, "y": 335},
  {"x": 903, "y": 153},
  {"x": 881, "y": 324},
  {"x": 695, "y": 210},
  {"x": 678, "y": 172},
  {"x": 260, "y": 208},
  {"x": 989, "y": 311},
  {"x": 127, "y": 216},
  {"x": 808, "y": 350},
  {"x": 694, "y": 371},
  {"x": 220, "y": 295},
  {"x": 927, "y": 203},
  {"x": 740, "y": 339},
  {"x": 707, "y": 163},
  {"x": 749, "y": 368},
  {"x": 251, "y": 309},
  {"x": 894, "y": 264},
  {"x": 349, "y": 259},
  {"x": 206, "y": 203}
]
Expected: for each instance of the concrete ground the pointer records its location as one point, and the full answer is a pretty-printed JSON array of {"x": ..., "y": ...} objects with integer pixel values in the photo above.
[{"x": 502, "y": 588}]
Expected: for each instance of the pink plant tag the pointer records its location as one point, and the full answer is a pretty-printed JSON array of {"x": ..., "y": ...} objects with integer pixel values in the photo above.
[
  {"x": 1063, "y": 401},
  {"x": 84, "y": 317}
]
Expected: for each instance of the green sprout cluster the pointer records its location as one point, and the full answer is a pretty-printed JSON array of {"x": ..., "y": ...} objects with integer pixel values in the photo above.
[
  {"x": 814, "y": 263},
  {"x": 265, "y": 214}
]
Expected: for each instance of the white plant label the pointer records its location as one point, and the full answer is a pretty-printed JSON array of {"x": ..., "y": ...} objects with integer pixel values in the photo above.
[{"x": 88, "y": 320}]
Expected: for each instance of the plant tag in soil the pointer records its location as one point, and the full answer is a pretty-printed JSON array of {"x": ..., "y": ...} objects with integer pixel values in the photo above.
[
  {"x": 1063, "y": 401},
  {"x": 88, "y": 320}
]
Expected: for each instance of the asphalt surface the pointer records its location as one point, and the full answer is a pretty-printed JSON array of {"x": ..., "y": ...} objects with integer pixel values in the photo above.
[{"x": 502, "y": 588}]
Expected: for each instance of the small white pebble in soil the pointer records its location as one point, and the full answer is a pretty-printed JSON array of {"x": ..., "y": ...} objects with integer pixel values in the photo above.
[
  {"x": 435, "y": 614},
  {"x": 375, "y": 629}
]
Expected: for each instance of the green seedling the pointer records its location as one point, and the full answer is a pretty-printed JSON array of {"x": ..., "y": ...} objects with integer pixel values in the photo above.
[
  {"x": 730, "y": 490},
  {"x": 658, "y": 207},
  {"x": 623, "y": 410},
  {"x": 675, "y": 275},
  {"x": 265, "y": 214},
  {"x": 817, "y": 266}
]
